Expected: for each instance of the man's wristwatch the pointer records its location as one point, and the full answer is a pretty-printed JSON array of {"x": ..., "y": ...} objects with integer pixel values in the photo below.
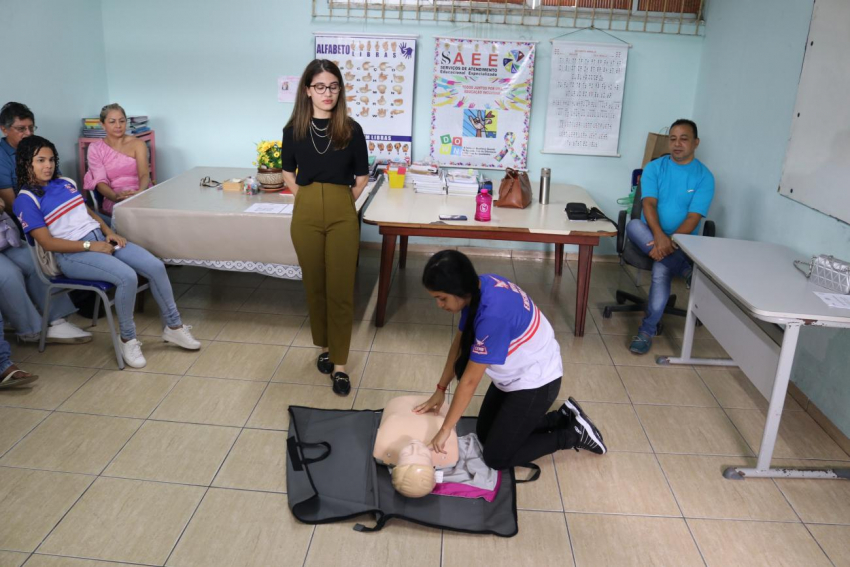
[{"x": 87, "y": 245}]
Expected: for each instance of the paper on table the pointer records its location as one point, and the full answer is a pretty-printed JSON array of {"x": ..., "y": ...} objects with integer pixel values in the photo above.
[
  {"x": 270, "y": 209},
  {"x": 837, "y": 300}
]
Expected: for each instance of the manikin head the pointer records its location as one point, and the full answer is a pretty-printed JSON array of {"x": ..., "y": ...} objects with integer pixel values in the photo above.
[{"x": 414, "y": 475}]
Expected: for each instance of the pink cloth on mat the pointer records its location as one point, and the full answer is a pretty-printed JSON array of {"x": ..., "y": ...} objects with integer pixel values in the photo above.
[
  {"x": 467, "y": 491},
  {"x": 110, "y": 166}
]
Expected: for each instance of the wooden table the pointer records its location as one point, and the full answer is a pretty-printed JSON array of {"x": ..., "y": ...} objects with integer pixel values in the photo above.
[{"x": 404, "y": 213}]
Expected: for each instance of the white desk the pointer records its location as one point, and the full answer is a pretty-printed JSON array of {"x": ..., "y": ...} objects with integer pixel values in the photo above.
[{"x": 735, "y": 282}]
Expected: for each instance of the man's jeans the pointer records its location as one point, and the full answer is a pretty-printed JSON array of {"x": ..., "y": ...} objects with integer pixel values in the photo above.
[
  {"x": 676, "y": 264},
  {"x": 5, "y": 350},
  {"x": 20, "y": 287},
  {"x": 120, "y": 269}
]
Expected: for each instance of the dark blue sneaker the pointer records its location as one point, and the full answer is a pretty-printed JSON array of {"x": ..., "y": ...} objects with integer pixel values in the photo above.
[
  {"x": 589, "y": 436},
  {"x": 641, "y": 344}
]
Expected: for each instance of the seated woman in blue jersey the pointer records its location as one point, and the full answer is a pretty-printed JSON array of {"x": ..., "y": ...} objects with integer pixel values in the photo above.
[
  {"x": 503, "y": 334},
  {"x": 52, "y": 212}
]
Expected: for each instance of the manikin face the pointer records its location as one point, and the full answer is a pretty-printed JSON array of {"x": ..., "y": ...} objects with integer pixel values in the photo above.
[
  {"x": 43, "y": 165},
  {"x": 19, "y": 130},
  {"x": 415, "y": 453},
  {"x": 682, "y": 144},
  {"x": 115, "y": 123},
  {"x": 449, "y": 302},
  {"x": 326, "y": 101},
  {"x": 414, "y": 476}
]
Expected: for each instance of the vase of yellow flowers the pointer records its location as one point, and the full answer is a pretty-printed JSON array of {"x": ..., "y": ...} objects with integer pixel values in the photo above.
[{"x": 269, "y": 165}]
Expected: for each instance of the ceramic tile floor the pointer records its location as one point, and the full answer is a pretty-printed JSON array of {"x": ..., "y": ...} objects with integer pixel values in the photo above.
[{"x": 183, "y": 463}]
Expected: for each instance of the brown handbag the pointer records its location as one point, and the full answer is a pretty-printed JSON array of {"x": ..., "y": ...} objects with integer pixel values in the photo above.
[{"x": 515, "y": 190}]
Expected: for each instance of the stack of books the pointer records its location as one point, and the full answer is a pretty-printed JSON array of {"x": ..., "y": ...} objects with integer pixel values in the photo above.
[
  {"x": 137, "y": 125},
  {"x": 92, "y": 128},
  {"x": 427, "y": 178},
  {"x": 462, "y": 182}
]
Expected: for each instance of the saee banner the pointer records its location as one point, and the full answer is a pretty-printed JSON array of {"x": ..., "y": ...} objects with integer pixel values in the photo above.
[{"x": 481, "y": 102}]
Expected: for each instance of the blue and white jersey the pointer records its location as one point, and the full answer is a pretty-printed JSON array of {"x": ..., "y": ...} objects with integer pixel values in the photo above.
[
  {"x": 513, "y": 337},
  {"x": 61, "y": 209}
]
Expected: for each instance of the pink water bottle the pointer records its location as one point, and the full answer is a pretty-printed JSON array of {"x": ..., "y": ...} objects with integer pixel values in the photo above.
[{"x": 483, "y": 204}]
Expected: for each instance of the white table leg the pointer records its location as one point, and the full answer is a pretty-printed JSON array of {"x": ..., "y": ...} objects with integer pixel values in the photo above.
[
  {"x": 688, "y": 340},
  {"x": 774, "y": 416}
]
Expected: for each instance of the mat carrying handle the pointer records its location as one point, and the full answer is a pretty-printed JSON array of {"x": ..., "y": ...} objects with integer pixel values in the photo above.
[
  {"x": 295, "y": 458},
  {"x": 534, "y": 476},
  {"x": 379, "y": 525}
]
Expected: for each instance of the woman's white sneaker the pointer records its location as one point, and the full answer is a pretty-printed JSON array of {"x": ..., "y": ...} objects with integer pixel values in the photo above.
[
  {"x": 62, "y": 331},
  {"x": 132, "y": 353},
  {"x": 181, "y": 337}
]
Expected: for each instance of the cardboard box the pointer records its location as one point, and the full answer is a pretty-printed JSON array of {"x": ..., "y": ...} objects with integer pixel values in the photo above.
[
  {"x": 232, "y": 185},
  {"x": 656, "y": 146}
]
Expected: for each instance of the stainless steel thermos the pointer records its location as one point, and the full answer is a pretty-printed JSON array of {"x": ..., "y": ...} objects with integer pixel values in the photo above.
[{"x": 545, "y": 182}]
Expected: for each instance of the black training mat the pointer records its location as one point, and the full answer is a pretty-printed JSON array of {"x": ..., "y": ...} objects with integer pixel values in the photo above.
[{"x": 331, "y": 476}]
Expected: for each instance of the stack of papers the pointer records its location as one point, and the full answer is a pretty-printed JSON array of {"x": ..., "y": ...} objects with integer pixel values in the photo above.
[
  {"x": 426, "y": 178},
  {"x": 271, "y": 209},
  {"x": 462, "y": 182}
]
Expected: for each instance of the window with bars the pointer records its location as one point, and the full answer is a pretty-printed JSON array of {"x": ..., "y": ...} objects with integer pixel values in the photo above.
[{"x": 656, "y": 16}]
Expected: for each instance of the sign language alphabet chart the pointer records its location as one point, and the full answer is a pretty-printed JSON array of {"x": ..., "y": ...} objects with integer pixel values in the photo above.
[{"x": 585, "y": 98}]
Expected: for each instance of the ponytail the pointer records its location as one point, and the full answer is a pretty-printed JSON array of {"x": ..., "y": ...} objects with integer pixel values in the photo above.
[
  {"x": 451, "y": 272},
  {"x": 468, "y": 335}
]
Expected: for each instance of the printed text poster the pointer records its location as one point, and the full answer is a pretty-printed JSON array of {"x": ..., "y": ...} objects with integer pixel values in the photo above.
[
  {"x": 481, "y": 102},
  {"x": 585, "y": 98},
  {"x": 378, "y": 74}
]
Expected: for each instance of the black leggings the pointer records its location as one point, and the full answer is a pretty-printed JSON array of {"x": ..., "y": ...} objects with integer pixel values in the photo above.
[{"x": 515, "y": 428}]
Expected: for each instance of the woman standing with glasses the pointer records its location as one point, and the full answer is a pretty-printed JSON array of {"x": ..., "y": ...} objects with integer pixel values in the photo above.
[{"x": 326, "y": 164}]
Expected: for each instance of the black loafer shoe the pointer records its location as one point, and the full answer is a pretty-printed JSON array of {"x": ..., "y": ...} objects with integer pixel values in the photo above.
[
  {"x": 342, "y": 384},
  {"x": 324, "y": 364}
]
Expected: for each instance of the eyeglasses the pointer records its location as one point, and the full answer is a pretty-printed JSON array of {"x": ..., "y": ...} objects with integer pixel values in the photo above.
[
  {"x": 207, "y": 182},
  {"x": 25, "y": 129},
  {"x": 321, "y": 88}
]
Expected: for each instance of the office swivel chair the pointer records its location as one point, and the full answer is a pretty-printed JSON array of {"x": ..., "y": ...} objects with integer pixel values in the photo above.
[{"x": 631, "y": 255}]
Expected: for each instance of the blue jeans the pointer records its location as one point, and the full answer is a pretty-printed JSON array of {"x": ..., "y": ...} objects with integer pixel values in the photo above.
[
  {"x": 5, "y": 350},
  {"x": 676, "y": 264},
  {"x": 20, "y": 287},
  {"x": 120, "y": 269}
]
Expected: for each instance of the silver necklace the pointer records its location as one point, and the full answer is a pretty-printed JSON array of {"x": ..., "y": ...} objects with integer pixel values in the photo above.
[
  {"x": 317, "y": 128},
  {"x": 316, "y": 147},
  {"x": 319, "y": 132}
]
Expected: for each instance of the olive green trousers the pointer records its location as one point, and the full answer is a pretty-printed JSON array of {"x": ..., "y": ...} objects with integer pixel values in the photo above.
[{"x": 326, "y": 234}]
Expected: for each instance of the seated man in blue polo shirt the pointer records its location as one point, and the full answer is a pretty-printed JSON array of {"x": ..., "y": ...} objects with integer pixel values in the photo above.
[
  {"x": 676, "y": 192},
  {"x": 16, "y": 122}
]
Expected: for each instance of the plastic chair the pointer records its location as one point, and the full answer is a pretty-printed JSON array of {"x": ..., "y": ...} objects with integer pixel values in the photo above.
[
  {"x": 633, "y": 256},
  {"x": 65, "y": 285}
]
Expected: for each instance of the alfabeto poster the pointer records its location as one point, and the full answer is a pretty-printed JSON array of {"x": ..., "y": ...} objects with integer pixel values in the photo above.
[
  {"x": 378, "y": 71},
  {"x": 481, "y": 102}
]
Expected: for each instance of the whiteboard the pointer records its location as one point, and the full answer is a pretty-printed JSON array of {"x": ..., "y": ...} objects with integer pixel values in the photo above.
[{"x": 816, "y": 171}]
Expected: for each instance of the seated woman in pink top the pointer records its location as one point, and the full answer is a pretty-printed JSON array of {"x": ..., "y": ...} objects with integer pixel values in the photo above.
[{"x": 118, "y": 165}]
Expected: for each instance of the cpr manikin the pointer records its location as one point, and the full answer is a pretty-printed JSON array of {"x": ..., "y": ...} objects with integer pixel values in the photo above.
[
  {"x": 401, "y": 441},
  {"x": 414, "y": 476}
]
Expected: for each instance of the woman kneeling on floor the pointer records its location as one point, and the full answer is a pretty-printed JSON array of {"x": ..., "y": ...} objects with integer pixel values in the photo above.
[
  {"x": 52, "y": 212},
  {"x": 504, "y": 334}
]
